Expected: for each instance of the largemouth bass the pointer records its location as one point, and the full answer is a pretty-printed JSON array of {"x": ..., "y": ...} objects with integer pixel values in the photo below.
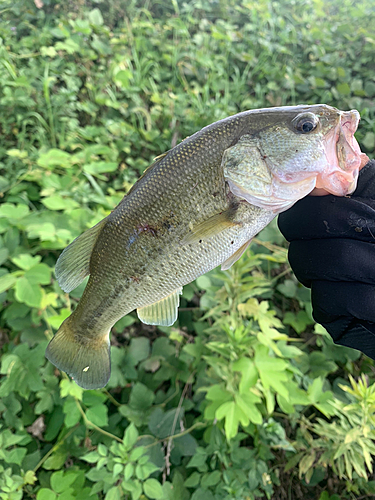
[{"x": 198, "y": 206}]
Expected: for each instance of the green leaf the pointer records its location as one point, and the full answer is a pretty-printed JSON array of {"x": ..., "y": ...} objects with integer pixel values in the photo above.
[
  {"x": 26, "y": 261},
  {"x": 95, "y": 17},
  {"x": 306, "y": 462},
  {"x": 272, "y": 371},
  {"x": 39, "y": 274},
  {"x": 163, "y": 424},
  {"x": 7, "y": 281},
  {"x": 288, "y": 288},
  {"x": 91, "y": 457},
  {"x": 233, "y": 415},
  {"x": 16, "y": 153},
  {"x": 57, "y": 202},
  {"x": 185, "y": 445},
  {"x": 15, "y": 456},
  {"x": 93, "y": 398},
  {"x": 249, "y": 374},
  {"x": 211, "y": 479},
  {"x": 98, "y": 415},
  {"x": 247, "y": 404},
  {"x": 131, "y": 436},
  {"x": 60, "y": 481},
  {"x": 141, "y": 398},
  {"x": 343, "y": 88},
  {"x": 55, "y": 158},
  {"x": 203, "y": 282},
  {"x": 134, "y": 487},
  {"x": 139, "y": 349},
  {"x": 369, "y": 140},
  {"x": 29, "y": 293},
  {"x": 11, "y": 211},
  {"x": 100, "y": 167},
  {"x": 54, "y": 425},
  {"x": 128, "y": 471},
  {"x": 202, "y": 494},
  {"x": 136, "y": 453},
  {"x": 70, "y": 388},
  {"x": 46, "y": 494},
  {"x": 4, "y": 253},
  {"x": 153, "y": 489},
  {"x": 113, "y": 493},
  {"x": 72, "y": 413},
  {"x": 193, "y": 480},
  {"x": 298, "y": 321},
  {"x": 144, "y": 471},
  {"x": 48, "y": 51},
  {"x": 122, "y": 78},
  {"x": 56, "y": 460}
]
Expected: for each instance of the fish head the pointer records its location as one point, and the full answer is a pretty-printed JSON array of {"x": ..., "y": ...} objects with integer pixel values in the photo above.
[{"x": 294, "y": 150}]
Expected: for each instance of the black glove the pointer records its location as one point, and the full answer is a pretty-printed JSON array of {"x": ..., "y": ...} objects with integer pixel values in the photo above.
[{"x": 332, "y": 251}]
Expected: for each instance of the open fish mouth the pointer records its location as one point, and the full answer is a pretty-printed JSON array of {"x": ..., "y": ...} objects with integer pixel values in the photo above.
[{"x": 343, "y": 156}]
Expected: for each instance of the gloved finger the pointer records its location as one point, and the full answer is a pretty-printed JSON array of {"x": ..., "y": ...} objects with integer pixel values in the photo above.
[
  {"x": 332, "y": 260},
  {"x": 350, "y": 332},
  {"x": 333, "y": 299},
  {"x": 329, "y": 217}
]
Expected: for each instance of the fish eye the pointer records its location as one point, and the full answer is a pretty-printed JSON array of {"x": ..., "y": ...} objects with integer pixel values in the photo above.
[{"x": 306, "y": 123}]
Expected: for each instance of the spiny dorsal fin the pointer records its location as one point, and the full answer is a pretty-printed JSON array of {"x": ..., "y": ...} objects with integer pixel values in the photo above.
[
  {"x": 210, "y": 227},
  {"x": 164, "y": 312},
  {"x": 234, "y": 258},
  {"x": 72, "y": 266}
]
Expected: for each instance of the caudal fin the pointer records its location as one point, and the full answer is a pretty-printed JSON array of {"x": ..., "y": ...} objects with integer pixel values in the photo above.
[{"x": 87, "y": 360}]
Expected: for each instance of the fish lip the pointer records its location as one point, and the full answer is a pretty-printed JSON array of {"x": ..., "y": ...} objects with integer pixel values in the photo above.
[
  {"x": 343, "y": 156},
  {"x": 350, "y": 120}
]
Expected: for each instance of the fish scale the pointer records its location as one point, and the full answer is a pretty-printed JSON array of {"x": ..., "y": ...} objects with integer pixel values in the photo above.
[{"x": 180, "y": 220}]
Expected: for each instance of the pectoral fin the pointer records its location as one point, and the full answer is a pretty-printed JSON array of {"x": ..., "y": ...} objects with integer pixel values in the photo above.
[
  {"x": 72, "y": 266},
  {"x": 234, "y": 258},
  {"x": 211, "y": 227},
  {"x": 164, "y": 312}
]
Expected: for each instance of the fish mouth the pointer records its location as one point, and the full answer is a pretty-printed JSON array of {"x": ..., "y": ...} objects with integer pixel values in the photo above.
[{"x": 343, "y": 156}]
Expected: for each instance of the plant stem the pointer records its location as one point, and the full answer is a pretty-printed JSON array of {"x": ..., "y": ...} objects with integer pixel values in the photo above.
[
  {"x": 111, "y": 398},
  {"x": 90, "y": 424},
  {"x": 54, "y": 448},
  {"x": 175, "y": 436}
]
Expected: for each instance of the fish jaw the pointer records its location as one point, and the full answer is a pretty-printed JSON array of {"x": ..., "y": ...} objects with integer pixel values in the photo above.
[{"x": 343, "y": 157}]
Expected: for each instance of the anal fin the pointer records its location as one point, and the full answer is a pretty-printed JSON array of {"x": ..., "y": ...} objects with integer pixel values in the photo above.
[
  {"x": 72, "y": 266},
  {"x": 164, "y": 312},
  {"x": 234, "y": 258},
  {"x": 210, "y": 227}
]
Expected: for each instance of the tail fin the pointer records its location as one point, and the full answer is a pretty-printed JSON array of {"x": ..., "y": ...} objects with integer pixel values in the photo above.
[{"x": 87, "y": 360}]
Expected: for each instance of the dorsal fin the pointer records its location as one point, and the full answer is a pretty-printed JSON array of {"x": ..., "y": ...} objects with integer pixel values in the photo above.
[{"x": 72, "y": 266}]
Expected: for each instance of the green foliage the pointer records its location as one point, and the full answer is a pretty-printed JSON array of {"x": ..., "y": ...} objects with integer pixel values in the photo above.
[{"x": 244, "y": 383}]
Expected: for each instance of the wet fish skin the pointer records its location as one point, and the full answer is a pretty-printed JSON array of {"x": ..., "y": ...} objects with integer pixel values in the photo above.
[{"x": 180, "y": 220}]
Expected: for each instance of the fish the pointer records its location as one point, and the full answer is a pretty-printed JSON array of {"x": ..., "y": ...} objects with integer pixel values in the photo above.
[{"x": 196, "y": 207}]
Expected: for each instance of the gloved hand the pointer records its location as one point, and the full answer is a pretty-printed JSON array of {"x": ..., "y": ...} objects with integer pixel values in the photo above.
[{"x": 332, "y": 251}]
